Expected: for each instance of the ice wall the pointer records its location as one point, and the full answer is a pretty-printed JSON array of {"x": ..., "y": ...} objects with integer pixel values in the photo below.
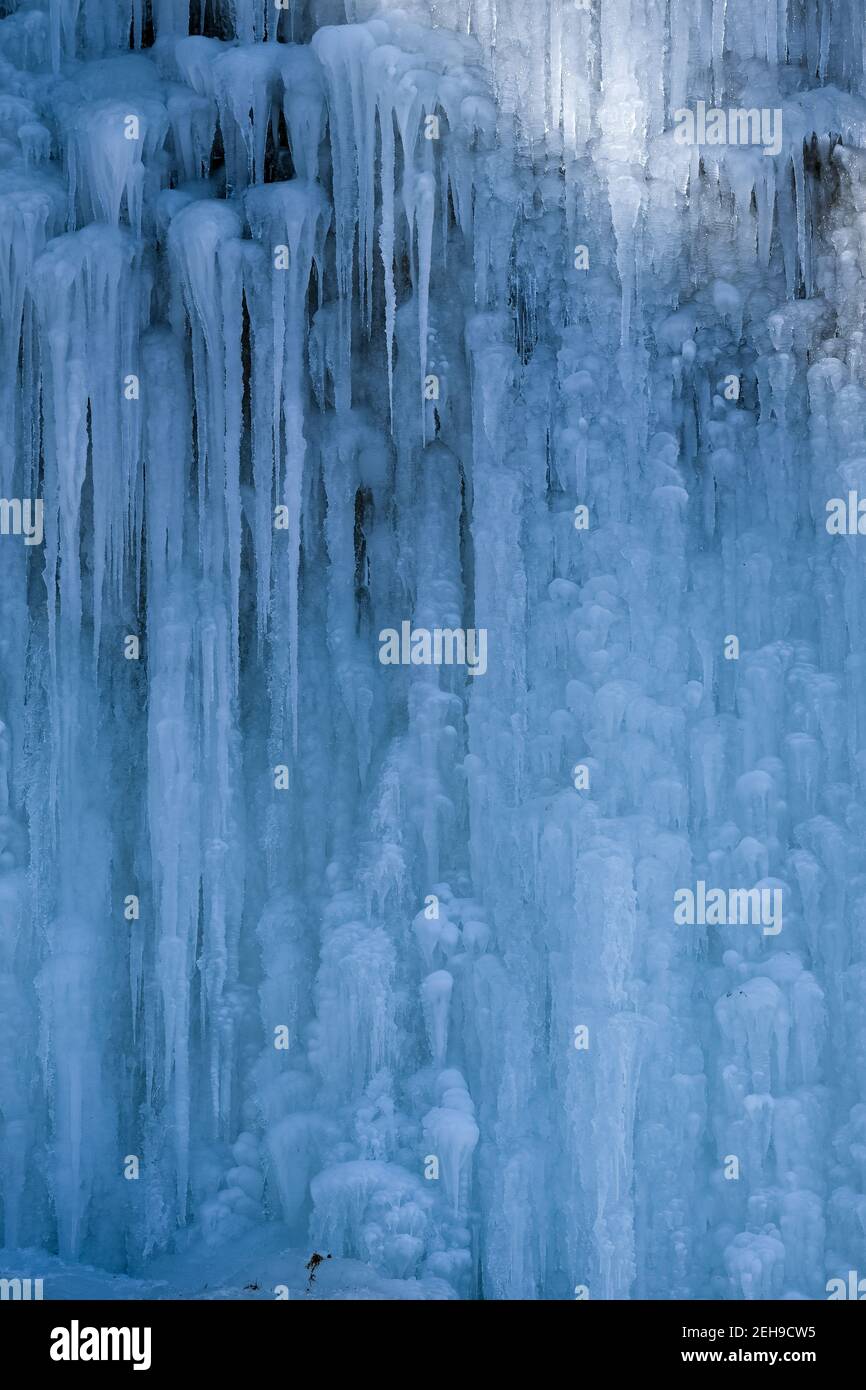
[{"x": 319, "y": 319}]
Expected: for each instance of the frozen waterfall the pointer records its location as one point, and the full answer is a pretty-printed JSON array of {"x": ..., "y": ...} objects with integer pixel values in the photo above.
[{"x": 432, "y": 665}]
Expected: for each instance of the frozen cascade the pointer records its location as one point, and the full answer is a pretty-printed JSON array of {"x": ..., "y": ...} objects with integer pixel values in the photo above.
[{"x": 335, "y": 320}]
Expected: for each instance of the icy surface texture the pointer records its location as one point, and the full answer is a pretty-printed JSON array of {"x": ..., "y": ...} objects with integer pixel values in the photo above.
[{"x": 540, "y": 975}]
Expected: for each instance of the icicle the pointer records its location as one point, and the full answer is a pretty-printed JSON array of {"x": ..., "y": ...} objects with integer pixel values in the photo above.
[
  {"x": 303, "y": 107},
  {"x": 292, "y": 220},
  {"x": 93, "y": 279},
  {"x": 436, "y": 994},
  {"x": 343, "y": 53},
  {"x": 245, "y": 84},
  {"x": 421, "y": 206},
  {"x": 112, "y": 144}
]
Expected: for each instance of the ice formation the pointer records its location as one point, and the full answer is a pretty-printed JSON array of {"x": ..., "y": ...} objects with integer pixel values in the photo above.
[{"x": 543, "y": 320}]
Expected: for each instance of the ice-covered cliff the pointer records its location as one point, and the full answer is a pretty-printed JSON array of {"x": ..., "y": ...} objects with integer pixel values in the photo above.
[{"x": 328, "y": 328}]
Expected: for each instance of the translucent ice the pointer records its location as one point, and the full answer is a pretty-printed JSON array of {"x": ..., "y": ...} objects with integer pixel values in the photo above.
[{"x": 334, "y": 337}]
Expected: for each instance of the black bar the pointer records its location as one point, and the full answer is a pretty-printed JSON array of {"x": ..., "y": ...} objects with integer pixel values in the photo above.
[{"x": 317, "y": 1338}]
